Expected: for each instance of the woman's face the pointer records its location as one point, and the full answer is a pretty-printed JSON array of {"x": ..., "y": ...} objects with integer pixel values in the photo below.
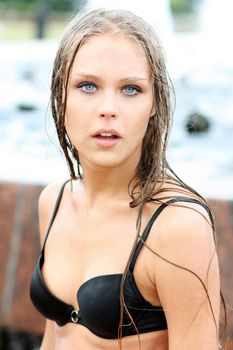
[{"x": 109, "y": 101}]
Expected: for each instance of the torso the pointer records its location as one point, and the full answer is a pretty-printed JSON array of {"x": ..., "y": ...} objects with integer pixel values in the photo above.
[
  {"x": 79, "y": 338},
  {"x": 88, "y": 245},
  {"x": 82, "y": 245}
]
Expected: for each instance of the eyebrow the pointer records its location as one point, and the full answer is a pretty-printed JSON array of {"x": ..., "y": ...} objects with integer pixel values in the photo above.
[{"x": 91, "y": 76}]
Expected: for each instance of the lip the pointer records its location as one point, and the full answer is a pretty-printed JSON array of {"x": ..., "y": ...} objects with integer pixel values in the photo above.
[
  {"x": 105, "y": 142},
  {"x": 107, "y": 131}
]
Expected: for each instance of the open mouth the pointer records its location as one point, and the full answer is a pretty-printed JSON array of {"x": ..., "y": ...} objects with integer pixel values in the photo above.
[{"x": 106, "y": 136}]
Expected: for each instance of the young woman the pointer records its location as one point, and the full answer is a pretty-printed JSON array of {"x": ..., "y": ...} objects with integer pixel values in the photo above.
[{"x": 128, "y": 256}]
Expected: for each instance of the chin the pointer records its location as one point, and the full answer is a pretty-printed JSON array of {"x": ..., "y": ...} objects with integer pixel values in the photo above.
[
  {"x": 112, "y": 160},
  {"x": 105, "y": 162}
]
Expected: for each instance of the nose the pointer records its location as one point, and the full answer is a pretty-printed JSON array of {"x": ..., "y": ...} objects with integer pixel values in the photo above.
[
  {"x": 108, "y": 114},
  {"x": 108, "y": 106}
]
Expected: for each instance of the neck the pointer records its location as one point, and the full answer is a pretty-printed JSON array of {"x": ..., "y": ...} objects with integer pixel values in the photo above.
[{"x": 101, "y": 184}]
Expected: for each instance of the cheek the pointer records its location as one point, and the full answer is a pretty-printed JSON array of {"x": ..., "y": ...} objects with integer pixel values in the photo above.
[
  {"x": 78, "y": 110},
  {"x": 139, "y": 120},
  {"x": 137, "y": 131},
  {"x": 72, "y": 123},
  {"x": 73, "y": 120}
]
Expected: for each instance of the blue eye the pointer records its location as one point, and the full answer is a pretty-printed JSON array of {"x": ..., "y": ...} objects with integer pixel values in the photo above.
[
  {"x": 87, "y": 87},
  {"x": 131, "y": 90}
]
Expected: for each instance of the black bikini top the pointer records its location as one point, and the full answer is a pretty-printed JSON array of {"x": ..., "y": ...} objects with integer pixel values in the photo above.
[{"x": 99, "y": 297}]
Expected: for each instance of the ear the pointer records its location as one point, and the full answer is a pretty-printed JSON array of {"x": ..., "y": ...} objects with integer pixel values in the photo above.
[{"x": 152, "y": 113}]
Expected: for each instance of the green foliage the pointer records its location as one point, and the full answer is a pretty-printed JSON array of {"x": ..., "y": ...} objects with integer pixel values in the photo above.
[
  {"x": 60, "y": 6},
  {"x": 181, "y": 6},
  {"x": 66, "y": 5},
  {"x": 18, "y": 5}
]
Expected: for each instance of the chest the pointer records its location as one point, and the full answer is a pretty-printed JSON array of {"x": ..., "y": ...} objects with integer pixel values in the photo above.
[
  {"x": 80, "y": 248},
  {"x": 91, "y": 241}
]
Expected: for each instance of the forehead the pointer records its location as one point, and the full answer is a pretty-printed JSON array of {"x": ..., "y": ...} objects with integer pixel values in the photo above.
[{"x": 120, "y": 53}]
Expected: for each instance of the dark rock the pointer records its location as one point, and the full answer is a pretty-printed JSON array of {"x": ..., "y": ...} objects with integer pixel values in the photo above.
[
  {"x": 26, "y": 107},
  {"x": 197, "y": 123}
]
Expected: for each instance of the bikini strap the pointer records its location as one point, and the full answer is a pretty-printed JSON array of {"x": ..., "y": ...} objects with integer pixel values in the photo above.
[
  {"x": 55, "y": 210},
  {"x": 147, "y": 229}
]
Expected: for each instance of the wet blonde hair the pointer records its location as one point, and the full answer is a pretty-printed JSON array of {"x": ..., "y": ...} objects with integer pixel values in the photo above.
[{"x": 153, "y": 170}]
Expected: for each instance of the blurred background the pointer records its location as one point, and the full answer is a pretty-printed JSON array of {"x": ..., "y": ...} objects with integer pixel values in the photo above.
[{"x": 196, "y": 35}]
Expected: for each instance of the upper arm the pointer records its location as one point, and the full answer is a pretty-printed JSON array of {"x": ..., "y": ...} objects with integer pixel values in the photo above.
[
  {"x": 188, "y": 280},
  {"x": 48, "y": 342}
]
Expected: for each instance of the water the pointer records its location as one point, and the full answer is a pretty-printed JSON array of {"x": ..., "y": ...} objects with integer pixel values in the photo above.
[
  {"x": 203, "y": 83},
  {"x": 26, "y": 153}
]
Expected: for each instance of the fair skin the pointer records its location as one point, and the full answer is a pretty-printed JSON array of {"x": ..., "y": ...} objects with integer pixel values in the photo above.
[{"x": 102, "y": 95}]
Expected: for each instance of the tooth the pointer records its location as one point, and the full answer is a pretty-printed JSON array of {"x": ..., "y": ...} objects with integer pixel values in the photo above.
[{"x": 107, "y": 134}]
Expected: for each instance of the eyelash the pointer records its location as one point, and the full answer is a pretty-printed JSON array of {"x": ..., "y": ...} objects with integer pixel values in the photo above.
[
  {"x": 84, "y": 84},
  {"x": 136, "y": 88}
]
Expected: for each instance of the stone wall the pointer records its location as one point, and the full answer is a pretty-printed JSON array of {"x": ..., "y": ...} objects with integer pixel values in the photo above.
[{"x": 19, "y": 248}]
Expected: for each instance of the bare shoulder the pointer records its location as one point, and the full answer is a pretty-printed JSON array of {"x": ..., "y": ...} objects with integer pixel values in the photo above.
[
  {"x": 46, "y": 204},
  {"x": 48, "y": 196},
  {"x": 188, "y": 214},
  {"x": 184, "y": 228}
]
